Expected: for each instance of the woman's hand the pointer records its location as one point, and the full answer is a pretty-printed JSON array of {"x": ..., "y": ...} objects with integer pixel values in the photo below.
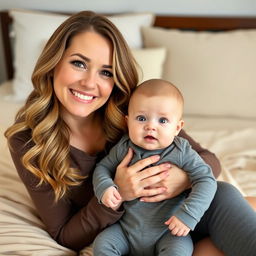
[
  {"x": 134, "y": 182},
  {"x": 175, "y": 183}
]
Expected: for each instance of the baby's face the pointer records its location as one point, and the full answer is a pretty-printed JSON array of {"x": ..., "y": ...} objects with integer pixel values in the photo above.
[{"x": 153, "y": 121}]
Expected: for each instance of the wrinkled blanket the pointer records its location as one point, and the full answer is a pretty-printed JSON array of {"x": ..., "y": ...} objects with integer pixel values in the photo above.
[{"x": 237, "y": 153}]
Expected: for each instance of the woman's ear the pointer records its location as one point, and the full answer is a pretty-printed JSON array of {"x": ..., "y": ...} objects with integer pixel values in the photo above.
[{"x": 180, "y": 125}]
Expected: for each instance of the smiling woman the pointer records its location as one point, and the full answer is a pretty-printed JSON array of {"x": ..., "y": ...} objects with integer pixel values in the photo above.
[{"x": 82, "y": 83}]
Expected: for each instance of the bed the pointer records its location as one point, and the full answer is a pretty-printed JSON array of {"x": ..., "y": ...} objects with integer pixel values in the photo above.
[{"x": 212, "y": 60}]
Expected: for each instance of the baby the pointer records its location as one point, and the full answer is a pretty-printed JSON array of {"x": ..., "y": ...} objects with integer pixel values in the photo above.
[{"x": 154, "y": 121}]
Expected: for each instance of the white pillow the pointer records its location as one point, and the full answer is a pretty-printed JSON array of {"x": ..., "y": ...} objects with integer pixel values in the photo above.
[
  {"x": 33, "y": 28},
  {"x": 150, "y": 61},
  {"x": 215, "y": 71},
  {"x": 130, "y": 26}
]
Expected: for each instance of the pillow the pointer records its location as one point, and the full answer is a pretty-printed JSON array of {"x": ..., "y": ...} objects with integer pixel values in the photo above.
[
  {"x": 150, "y": 62},
  {"x": 130, "y": 26},
  {"x": 214, "y": 70},
  {"x": 32, "y": 29}
]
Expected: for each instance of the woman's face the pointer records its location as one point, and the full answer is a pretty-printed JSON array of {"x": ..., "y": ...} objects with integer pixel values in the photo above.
[{"x": 83, "y": 79}]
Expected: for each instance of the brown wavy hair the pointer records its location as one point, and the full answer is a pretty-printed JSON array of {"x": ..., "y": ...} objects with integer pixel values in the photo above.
[{"x": 41, "y": 112}]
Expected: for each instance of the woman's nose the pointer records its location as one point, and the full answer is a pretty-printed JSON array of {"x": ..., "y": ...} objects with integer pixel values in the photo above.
[{"x": 89, "y": 80}]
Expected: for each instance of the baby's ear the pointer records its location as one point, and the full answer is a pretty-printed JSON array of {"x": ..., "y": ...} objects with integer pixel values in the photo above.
[
  {"x": 126, "y": 119},
  {"x": 180, "y": 125}
]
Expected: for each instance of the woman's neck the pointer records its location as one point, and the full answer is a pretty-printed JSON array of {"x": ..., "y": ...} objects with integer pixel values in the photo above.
[{"x": 86, "y": 134}]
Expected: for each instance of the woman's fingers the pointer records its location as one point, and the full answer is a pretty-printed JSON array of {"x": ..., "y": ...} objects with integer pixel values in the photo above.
[
  {"x": 154, "y": 174},
  {"x": 141, "y": 164},
  {"x": 155, "y": 195},
  {"x": 127, "y": 159},
  {"x": 175, "y": 183},
  {"x": 135, "y": 180}
]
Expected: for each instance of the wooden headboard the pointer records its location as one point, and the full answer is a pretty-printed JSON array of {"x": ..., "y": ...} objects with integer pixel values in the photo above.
[{"x": 175, "y": 22}]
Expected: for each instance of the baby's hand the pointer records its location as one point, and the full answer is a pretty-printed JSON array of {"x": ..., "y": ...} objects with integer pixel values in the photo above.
[
  {"x": 177, "y": 227},
  {"x": 111, "y": 198}
]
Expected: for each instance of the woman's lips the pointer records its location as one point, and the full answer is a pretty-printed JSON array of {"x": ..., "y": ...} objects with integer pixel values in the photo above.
[{"x": 82, "y": 96}]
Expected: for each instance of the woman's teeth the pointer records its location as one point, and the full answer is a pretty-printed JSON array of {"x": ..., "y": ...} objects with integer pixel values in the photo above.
[{"x": 82, "y": 96}]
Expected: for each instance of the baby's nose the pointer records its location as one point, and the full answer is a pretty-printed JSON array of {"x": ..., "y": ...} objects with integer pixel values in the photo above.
[{"x": 150, "y": 126}]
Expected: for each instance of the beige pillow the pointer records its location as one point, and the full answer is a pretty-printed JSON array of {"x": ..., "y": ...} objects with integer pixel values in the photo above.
[
  {"x": 150, "y": 62},
  {"x": 215, "y": 71}
]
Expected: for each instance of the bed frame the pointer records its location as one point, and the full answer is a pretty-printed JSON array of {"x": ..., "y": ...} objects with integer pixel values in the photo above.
[{"x": 175, "y": 22}]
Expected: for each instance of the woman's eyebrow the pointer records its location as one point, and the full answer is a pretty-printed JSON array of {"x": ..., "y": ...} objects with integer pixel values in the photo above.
[
  {"x": 81, "y": 56},
  {"x": 88, "y": 60}
]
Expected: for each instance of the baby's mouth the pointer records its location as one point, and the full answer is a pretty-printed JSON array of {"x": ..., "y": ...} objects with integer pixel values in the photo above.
[{"x": 149, "y": 137}]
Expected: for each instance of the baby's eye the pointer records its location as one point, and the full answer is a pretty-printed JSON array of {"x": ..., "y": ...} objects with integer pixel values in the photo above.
[
  {"x": 163, "y": 120},
  {"x": 141, "y": 118},
  {"x": 106, "y": 73},
  {"x": 78, "y": 63}
]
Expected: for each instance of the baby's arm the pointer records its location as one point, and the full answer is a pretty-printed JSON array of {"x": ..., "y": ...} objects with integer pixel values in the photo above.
[
  {"x": 177, "y": 227},
  {"x": 111, "y": 198}
]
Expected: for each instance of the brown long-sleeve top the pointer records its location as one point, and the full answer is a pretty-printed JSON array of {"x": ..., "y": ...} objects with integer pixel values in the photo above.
[{"x": 75, "y": 220}]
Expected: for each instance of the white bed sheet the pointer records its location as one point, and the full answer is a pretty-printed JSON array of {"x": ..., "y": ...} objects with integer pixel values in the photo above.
[{"x": 22, "y": 232}]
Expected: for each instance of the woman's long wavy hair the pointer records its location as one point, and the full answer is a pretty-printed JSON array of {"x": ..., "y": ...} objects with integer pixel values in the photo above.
[{"x": 41, "y": 112}]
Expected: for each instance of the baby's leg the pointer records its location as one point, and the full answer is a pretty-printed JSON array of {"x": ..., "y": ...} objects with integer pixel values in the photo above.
[
  {"x": 174, "y": 245},
  {"x": 111, "y": 241}
]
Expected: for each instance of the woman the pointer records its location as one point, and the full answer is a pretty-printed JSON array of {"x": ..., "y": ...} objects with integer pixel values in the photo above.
[{"x": 82, "y": 84}]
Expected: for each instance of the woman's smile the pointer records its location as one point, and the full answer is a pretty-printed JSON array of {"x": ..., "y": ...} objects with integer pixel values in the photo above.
[
  {"x": 81, "y": 96},
  {"x": 83, "y": 79}
]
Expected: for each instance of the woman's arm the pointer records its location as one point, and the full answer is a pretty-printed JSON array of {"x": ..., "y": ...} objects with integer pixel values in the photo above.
[
  {"x": 73, "y": 221},
  {"x": 69, "y": 226},
  {"x": 209, "y": 157}
]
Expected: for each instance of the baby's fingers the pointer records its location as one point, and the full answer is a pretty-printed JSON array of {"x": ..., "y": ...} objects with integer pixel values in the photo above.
[
  {"x": 171, "y": 223},
  {"x": 117, "y": 195},
  {"x": 182, "y": 231},
  {"x": 168, "y": 221},
  {"x": 115, "y": 202}
]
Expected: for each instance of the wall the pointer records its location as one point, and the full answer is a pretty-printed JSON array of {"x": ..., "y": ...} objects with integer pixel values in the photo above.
[
  {"x": 175, "y": 7},
  {"x": 194, "y": 7}
]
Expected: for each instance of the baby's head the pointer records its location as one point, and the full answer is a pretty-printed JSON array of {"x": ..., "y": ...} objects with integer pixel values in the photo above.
[{"x": 155, "y": 114}]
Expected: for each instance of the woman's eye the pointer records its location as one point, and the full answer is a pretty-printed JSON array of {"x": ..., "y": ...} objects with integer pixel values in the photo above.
[
  {"x": 107, "y": 73},
  {"x": 141, "y": 118},
  {"x": 78, "y": 63},
  {"x": 163, "y": 120}
]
